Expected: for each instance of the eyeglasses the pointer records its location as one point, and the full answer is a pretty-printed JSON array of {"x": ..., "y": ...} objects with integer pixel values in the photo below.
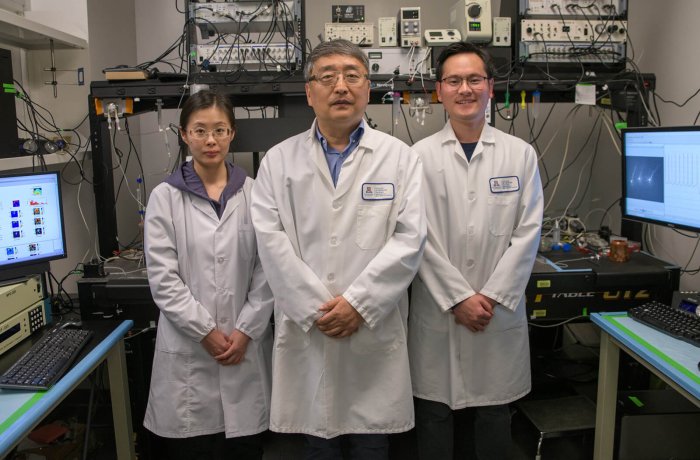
[
  {"x": 331, "y": 78},
  {"x": 218, "y": 133},
  {"x": 473, "y": 81}
]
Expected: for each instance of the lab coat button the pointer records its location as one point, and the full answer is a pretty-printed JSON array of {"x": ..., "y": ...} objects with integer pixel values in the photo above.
[
  {"x": 334, "y": 241},
  {"x": 336, "y": 205},
  {"x": 472, "y": 196},
  {"x": 331, "y": 277},
  {"x": 470, "y": 263},
  {"x": 470, "y": 230},
  {"x": 220, "y": 260}
]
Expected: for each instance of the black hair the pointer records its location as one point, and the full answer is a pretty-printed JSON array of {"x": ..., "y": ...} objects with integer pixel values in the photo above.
[
  {"x": 205, "y": 99},
  {"x": 464, "y": 47},
  {"x": 338, "y": 46}
]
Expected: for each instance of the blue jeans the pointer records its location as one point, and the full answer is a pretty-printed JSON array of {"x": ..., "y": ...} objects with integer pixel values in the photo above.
[
  {"x": 486, "y": 431},
  {"x": 361, "y": 447}
]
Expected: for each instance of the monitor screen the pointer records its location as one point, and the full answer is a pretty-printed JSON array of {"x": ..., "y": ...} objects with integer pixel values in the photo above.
[
  {"x": 31, "y": 219},
  {"x": 661, "y": 176}
]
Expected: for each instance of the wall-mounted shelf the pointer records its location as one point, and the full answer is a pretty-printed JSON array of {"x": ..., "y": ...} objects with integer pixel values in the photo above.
[
  {"x": 27, "y": 162},
  {"x": 23, "y": 33}
]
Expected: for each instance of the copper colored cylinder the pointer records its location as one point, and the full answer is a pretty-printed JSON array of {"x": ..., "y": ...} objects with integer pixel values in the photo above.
[{"x": 618, "y": 251}]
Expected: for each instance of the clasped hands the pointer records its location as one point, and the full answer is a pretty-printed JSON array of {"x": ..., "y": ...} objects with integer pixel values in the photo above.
[
  {"x": 474, "y": 312},
  {"x": 225, "y": 349},
  {"x": 339, "y": 319}
]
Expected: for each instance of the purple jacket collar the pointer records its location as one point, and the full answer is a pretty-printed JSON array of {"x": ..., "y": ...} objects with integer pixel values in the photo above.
[{"x": 185, "y": 178}]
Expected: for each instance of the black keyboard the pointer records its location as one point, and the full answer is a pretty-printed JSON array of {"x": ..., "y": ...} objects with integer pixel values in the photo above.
[
  {"x": 673, "y": 321},
  {"x": 47, "y": 360}
]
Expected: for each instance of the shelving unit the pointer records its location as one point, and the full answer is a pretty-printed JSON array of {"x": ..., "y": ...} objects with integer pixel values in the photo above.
[{"x": 24, "y": 33}]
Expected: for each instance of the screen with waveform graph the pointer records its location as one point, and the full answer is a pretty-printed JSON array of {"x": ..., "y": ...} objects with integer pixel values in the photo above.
[{"x": 661, "y": 176}]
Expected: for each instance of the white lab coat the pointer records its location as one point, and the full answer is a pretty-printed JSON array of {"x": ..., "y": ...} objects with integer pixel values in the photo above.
[
  {"x": 317, "y": 242},
  {"x": 478, "y": 242},
  {"x": 204, "y": 273}
]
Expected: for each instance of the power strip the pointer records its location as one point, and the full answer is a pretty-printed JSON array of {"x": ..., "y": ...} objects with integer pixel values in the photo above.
[
  {"x": 572, "y": 8},
  {"x": 248, "y": 54},
  {"x": 358, "y": 33},
  {"x": 566, "y": 52}
]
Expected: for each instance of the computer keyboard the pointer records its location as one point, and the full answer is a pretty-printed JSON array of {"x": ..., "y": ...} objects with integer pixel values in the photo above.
[
  {"x": 673, "y": 321},
  {"x": 47, "y": 360}
]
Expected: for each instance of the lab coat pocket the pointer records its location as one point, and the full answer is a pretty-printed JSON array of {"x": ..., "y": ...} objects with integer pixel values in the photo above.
[
  {"x": 505, "y": 319},
  {"x": 170, "y": 390},
  {"x": 371, "y": 225},
  {"x": 290, "y": 336},
  {"x": 172, "y": 366},
  {"x": 385, "y": 337},
  {"x": 501, "y": 215},
  {"x": 246, "y": 240}
]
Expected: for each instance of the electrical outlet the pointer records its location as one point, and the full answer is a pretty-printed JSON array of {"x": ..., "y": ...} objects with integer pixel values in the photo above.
[{"x": 67, "y": 138}]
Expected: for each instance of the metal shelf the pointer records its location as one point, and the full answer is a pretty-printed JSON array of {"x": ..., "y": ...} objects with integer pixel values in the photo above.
[{"x": 24, "y": 33}]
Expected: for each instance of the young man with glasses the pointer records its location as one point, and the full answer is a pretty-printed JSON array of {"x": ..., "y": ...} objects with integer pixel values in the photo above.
[
  {"x": 338, "y": 212},
  {"x": 468, "y": 336}
]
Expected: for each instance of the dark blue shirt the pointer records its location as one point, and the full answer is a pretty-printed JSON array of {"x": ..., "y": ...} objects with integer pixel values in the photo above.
[{"x": 468, "y": 148}]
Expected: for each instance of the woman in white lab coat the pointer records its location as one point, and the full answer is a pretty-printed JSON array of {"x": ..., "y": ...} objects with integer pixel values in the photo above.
[{"x": 210, "y": 386}]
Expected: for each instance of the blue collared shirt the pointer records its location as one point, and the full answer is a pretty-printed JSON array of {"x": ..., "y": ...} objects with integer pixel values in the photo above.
[{"x": 335, "y": 158}]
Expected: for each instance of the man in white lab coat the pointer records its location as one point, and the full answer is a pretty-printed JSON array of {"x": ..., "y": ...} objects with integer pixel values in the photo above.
[
  {"x": 468, "y": 336},
  {"x": 338, "y": 212}
]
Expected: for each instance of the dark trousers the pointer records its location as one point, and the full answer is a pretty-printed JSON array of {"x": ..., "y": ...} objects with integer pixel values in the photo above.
[
  {"x": 360, "y": 447},
  {"x": 212, "y": 447},
  {"x": 486, "y": 431}
]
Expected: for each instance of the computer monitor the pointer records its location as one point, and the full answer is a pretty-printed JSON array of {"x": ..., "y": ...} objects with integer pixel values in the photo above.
[
  {"x": 661, "y": 176},
  {"x": 31, "y": 220}
]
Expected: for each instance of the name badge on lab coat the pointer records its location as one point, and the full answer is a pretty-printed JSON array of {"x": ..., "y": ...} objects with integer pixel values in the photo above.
[
  {"x": 504, "y": 184},
  {"x": 377, "y": 191}
]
